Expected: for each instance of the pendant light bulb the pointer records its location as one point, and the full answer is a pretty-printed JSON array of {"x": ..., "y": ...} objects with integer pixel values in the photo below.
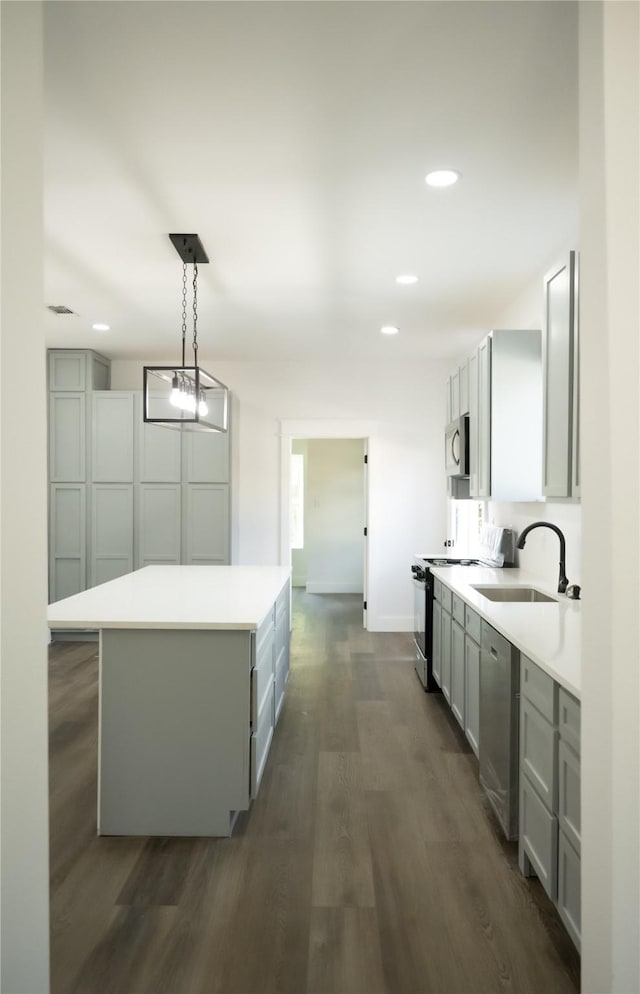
[
  {"x": 175, "y": 399},
  {"x": 203, "y": 407}
]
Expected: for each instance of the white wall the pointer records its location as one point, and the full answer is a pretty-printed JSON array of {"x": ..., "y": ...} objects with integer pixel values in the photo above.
[
  {"x": 406, "y": 476},
  {"x": 334, "y": 515},
  {"x": 610, "y": 332},
  {"x": 23, "y": 513}
]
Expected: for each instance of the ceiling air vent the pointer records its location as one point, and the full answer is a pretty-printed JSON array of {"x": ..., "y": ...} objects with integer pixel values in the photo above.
[{"x": 60, "y": 309}]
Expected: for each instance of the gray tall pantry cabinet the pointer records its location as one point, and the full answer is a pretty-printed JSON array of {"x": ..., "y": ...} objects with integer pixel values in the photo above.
[{"x": 125, "y": 494}]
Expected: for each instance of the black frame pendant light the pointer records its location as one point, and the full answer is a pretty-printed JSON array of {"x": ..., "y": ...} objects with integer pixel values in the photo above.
[{"x": 186, "y": 398}]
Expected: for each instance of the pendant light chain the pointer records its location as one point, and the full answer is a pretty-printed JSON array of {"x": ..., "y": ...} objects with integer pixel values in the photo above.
[
  {"x": 184, "y": 309},
  {"x": 195, "y": 313}
]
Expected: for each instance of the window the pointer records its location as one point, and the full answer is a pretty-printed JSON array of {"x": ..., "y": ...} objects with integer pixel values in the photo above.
[{"x": 297, "y": 501}]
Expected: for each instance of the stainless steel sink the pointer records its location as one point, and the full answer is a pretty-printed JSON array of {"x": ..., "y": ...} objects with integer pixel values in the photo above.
[{"x": 521, "y": 595}]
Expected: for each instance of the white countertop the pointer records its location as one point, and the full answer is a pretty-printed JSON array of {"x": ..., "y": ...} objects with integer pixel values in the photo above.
[
  {"x": 548, "y": 633},
  {"x": 175, "y": 597}
]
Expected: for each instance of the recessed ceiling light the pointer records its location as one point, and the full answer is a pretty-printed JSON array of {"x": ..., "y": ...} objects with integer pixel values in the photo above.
[
  {"x": 101, "y": 327},
  {"x": 389, "y": 329},
  {"x": 406, "y": 279},
  {"x": 442, "y": 177}
]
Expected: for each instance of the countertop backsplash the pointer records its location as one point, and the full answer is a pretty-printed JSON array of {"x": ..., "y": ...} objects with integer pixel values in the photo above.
[{"x": 541, "y": 554}]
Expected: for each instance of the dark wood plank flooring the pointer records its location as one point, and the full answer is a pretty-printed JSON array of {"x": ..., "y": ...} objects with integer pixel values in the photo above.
[{"x": 369, "y": 864}]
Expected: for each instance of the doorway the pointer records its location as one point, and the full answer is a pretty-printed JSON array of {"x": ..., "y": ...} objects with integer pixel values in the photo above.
[{"x": 325, "y": 506}]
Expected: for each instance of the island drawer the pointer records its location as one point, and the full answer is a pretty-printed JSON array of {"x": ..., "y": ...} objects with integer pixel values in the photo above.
[
  {"x": 261, "y": 741},
  {"x": 472, "y": 624},
  {"x": 537, "y": 686},
  {"x": 282, "y": 602},
  {"x": 263, "y": 643},
  {"x": 261, "y": 679},
  {"x": 458, "y": 609}
]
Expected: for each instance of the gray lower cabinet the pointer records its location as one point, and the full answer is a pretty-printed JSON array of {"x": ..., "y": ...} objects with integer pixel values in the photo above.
[
  {"x": 68, "y": 531},
  {"x": 111, "y": 531},
  {"x": 445, "y": 654},
  {"x": 472, "y": 692},
  {"x": 281, "y": 652},
  {"x": 158, "y": 524},
  {"x": 549, "y": 843},
  {"x": 186, "y": 722},
  {"x": 206, "y": 523},
  {"x": 437, "y": 643},
  {"x": 457, "y": 672}
]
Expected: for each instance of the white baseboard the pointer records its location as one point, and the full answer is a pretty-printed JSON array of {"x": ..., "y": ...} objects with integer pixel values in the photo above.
[{"x": 333, "y": 587}]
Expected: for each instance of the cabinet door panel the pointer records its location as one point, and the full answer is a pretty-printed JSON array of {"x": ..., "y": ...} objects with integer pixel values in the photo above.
[
  {"x": 569, "y": 888},
  {"x": 474, "y": 481},
  {"x": 158, "y": 523},
  {"x": 538, "y": 752},
  {"x": 67, "y": 370},
  {"x": 67, "y": 435},
  {"x": 464, "y": 388},
  {"x": 206, "y": 524},
  {"x": 159, "y": 451},
  {"x": 472, "y": 693},
  {"x": 558, "y": 381},
  {"x": 67, "y": 540},
  {"x": 206, "y": 457},
  {"x": 569, "y": 794},
  {"x": 445, "y": 656},
  {"x": 457, "y": 672},
  {"x": 436, "y": 662},
  {"x": 111, "y": 531},
  {"x": 539, "y": 837},
  {"x": 112, "y": 437},
  {"x": 483, "y": 439}
]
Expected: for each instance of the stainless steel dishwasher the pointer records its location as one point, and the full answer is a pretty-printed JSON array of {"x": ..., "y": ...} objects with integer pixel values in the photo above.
[{"x": 499, "y": 720}]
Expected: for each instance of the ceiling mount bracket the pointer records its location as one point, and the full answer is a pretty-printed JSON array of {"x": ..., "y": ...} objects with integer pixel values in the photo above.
[{"x": 189, "y": 248}]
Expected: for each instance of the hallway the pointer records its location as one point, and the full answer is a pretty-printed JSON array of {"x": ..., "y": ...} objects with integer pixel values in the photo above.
[{"x": 369, "y": 862}]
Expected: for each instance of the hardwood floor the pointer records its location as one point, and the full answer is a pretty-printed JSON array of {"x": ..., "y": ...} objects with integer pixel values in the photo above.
[{"x": 369, "y": 864}]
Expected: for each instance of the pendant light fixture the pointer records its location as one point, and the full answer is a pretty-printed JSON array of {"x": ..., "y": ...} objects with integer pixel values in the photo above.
[{"x": 186, "y": 398}]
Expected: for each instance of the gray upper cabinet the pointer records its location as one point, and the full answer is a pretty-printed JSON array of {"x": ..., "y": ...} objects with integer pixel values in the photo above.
[
  {"x": 561, "y": 464},
  {"x": 506, "y": 417},
  {"x": 112, "y": 436},
  {"x": 206, "y": 457},
  {"x": 67, "y": 437},
  {"x": 206, "y": 524},
  {"x": 78, "y": 370},
  {"x": 159, "y": 451},
  {"x": 482, "y": 417}
]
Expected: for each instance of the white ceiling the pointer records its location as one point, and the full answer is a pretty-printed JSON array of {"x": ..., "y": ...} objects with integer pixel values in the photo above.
[{"x": 294, "y": 138}]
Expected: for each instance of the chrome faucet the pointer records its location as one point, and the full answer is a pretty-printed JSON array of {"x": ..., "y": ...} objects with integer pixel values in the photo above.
[{"x": 562, "y": 580}]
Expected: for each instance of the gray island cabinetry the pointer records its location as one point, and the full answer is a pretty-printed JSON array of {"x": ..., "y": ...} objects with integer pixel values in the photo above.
[{"x": 193, "y": 666}]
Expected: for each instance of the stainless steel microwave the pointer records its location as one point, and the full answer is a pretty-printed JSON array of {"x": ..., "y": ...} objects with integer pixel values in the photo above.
[{"x": 456, "y": 447}]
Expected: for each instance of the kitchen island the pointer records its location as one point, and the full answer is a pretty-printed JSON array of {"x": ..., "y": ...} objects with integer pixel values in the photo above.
[{"x": 193, "y": 666}]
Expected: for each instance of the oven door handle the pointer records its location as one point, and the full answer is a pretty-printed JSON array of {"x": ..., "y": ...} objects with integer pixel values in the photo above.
[{"x": 421, "y": 584}]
